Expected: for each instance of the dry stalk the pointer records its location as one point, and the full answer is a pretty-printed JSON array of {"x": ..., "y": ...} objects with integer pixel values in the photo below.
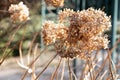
[
  {"x": 22, "y": 65},
  {"x": 95, "y": 55},
  {"x": 31, "y": 45},
  {"x": 83, "y": 71},
  {"x": 5, "y": 54},
  {"x": 30, "y": 65},
  {"x": 20, "y": 52},
  {"x": 75, "y": 77},
  {"x": 45, "y": 67},
  {"x": 101, "y": 78},
  {"x": 55, "y": 72},
  {"x": 69, "y": 68},
  {"x": 33, "y": 66},
  {"x": 63, "y": 70},
  {"x": 2, "y": 59},
  {"x": 100, "y": 69},
  {"x": 110, "y": 68},
  {"x": 20, "y": 47},
  {"x": 90, "y": 69},
  {"x": 107, "y": 58}
]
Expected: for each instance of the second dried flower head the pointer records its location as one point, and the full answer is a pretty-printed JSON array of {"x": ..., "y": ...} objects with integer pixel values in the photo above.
[{"x": 55, "y": 3}]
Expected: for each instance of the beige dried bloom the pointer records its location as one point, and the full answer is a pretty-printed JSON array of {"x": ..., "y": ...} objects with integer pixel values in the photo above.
[
  {"x": 53, "y": 32},
  {"x": 19, "y": 12},
  {"x": 84, "y": 33},
  {"x": 55, "y": 3},
  {"x": 65, "y": 14}
]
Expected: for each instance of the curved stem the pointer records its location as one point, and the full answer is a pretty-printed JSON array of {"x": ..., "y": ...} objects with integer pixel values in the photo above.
[
  {"x": 5, "y": 54},
  {"x": 24, "y": 75}
]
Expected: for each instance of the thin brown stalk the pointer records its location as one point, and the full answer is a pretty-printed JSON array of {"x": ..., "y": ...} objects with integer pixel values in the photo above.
[
  {"x": 13, "y": 35},
  {"x": 91, "y": 64},
  {"x": 45, "y": 67},
  {"x": 10, "y": 29},
  {"x": 95, "y": 55},
  {"x": 75, "y": 77},
  {"x": 5, "y": 54},
  {"x": 100, "y": 69},
  {"x": 20, "y": 47},
  {"x": 69, "y": 68},
  {"x": 25, "y": 73},
  {"x": 90, "y": 67},
  {"x": 101, "y": 78},
  {"x": 63, "y": 70},
  {"x": 33, "y": 66},
  {"x": 55, "y": 72},
  {"x": 110, "y": 67},
  {"x": 3, "y": 58},
  {"x": 109, "y": 53},
  {"x": 31, "y": 45},
  {"x": 83, "y": 70},
  {"x": 20, "y": 52}
]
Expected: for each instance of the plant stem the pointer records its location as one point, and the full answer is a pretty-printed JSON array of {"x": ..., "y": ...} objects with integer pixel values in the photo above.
[
  {"x": 45, "y": 67},
  {"x": 55, "y": 72}
]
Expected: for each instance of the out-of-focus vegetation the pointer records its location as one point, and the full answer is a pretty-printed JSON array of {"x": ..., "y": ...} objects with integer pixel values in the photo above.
[{"x": 26, "y": 32}]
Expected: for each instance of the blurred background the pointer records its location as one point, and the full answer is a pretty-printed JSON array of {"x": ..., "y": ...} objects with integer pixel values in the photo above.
[{"x": 31, "y": 30}]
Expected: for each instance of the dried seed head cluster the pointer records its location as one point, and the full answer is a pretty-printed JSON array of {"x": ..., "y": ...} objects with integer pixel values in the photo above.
[
  {"x": 53, "y": 32},
  {"x": 19, "y": 12},
  {"x": 55, "y": 3},
  {"x": 84, "y": 33}
]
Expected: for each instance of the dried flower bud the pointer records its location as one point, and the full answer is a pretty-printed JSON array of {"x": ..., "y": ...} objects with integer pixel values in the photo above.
[
  {"x": 19, "y": 12},
  {"x": 55, "y": 3}
]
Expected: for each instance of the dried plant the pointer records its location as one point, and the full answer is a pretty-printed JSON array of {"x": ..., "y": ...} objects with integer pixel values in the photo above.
[
  {"x": 82, "y": 36},
  {"x": 55, "y": 3},
  {"x": 19, "y": 12},
  {"x": 77, "y": 34}
]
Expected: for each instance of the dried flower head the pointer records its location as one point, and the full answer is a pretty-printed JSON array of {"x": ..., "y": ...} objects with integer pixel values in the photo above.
[
  {"x": 84, "y": 33},
  {"x": 53, "y": 32},
  {"x": 19, "y": 12},
  {"x": 55, "y": 3}
]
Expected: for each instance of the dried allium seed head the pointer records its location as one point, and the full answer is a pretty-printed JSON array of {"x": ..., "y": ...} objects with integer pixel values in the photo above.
[
  {"x": 53, "y": 32},
  {"x": 83, "y": 35},
  {"x": 55, "y": 3},
  {"x": 19, "y": 12}
]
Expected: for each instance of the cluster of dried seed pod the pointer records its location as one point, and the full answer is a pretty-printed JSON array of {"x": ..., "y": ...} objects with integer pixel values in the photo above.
[
  {"x": 55, "y": 3},
  {"x": 19, "y": 12},
  {"x": 53, "y": 32},
  {"x": 82, "y": 36}
]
